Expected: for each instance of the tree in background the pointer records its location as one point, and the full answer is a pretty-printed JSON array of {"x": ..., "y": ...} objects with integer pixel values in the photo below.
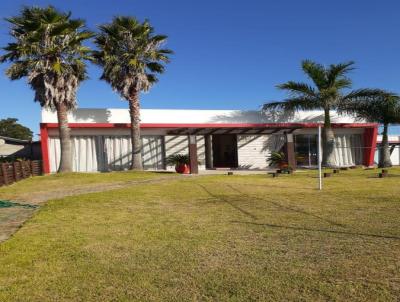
[
  {"x": 131, "y": 57},
  {"x": 48, "y": 51},
  {"x": 10, "y": 128},
  {"x": 383, "y": 109},
  {"x": 326, "y": 93}
]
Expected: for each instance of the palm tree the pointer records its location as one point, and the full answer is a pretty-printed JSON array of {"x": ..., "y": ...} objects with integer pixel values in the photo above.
[
  {"x": 383, "y": 109},
  {"x": 48, "y": 51},
  {"x": 131, "y": 57},
  {"x": 326, "y": 93}
]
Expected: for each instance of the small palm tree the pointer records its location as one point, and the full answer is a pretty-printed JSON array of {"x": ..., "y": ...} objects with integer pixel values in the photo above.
[
  {"x": 131, "y": 57},
  {"x": 48, "y": 50},
  {"x": 383, "y": 109},
  {"x": 326, "y": 94}
]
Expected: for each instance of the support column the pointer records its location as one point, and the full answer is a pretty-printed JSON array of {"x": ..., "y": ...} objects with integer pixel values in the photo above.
[
  {"x": 208, "y": 147},
  {"x": 289, "y": 150},
  {"x": 193, "y": 161},
  {"x": 370, "y": 137},
  {"x": 44, "y": 143}
]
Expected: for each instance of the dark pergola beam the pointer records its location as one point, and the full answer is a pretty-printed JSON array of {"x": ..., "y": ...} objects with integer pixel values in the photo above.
[
  {"x": 231, "y": 130},
  {"x": 212, "y": 131},
  {"x": 177, "y": 131},
  {"x": 292, "y": 130},
  {"x": 261, "y": 131},
  {"x": 244, "y": 131},
  {"x": 249, "y": 131},
  {"x": 275, "y": 131},
  {"x": 196, "y": 131}
]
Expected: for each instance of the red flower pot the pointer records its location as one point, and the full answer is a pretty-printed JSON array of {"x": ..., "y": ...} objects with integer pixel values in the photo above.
[
  {"x": 283, "y": 165},
  {"x": 182, "y": 169}
]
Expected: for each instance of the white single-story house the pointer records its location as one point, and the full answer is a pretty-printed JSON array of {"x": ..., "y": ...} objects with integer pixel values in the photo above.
[{"x": 233, "y": 139}]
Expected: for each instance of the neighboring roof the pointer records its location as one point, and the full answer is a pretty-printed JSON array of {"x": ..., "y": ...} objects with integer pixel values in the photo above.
[
  {"x": 14, "y": 140},
  {"x": 181, "y": 116}
]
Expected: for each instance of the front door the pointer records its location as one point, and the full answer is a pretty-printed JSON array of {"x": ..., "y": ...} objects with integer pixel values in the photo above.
[{"x": 225, "y": 151}]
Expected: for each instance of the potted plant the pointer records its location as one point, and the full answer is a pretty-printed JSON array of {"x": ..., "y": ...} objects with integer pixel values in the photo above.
[
  {"x": 277, "y": 159},
  {"x": 180, "y": 161}
]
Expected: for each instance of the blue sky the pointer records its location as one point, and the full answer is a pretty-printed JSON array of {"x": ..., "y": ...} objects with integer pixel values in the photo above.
[{"x": 231, "y": 54}]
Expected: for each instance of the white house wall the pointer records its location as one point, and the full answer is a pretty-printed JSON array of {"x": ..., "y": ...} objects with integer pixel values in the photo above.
[
  {"x": 395, "y": 155},
  {"x": 116, "y": 153},
  {"x": 108, "y": 131},
  {"x": 181, "y": 116},
  {"x": 178, "y": 144},
  {"x": 252, "y": 153}
]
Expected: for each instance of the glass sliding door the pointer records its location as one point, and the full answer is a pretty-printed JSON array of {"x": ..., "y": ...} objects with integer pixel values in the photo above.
[{"x": 306, "y": 149}]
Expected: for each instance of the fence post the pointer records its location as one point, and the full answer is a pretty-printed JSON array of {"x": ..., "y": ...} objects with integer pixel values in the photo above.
[
  {"x": 15, "y": 168},
  {"x": 28, "y": 167},
  {"x": 2, "y": 182},
  {"x": 32, "y": 168},
  {"x": 5, "y": 174},
  {"x": 23, "y": 169}
]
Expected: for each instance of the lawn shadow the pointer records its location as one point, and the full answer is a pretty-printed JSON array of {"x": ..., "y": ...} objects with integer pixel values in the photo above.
[
  {"x": 223, "y": 199},
  {"x": 317, "y": 230},
  {"x": 277, "y": 204},
  {"x": 387, "y": 176}
]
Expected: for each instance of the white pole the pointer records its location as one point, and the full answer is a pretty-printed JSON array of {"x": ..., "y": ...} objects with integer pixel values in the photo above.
[{"x": 319, "y": 159}]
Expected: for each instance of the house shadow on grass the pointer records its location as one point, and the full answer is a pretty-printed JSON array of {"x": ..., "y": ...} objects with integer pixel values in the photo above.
[
  {"x": 317, "y": 230},
  {"x": 287, "y": 208},
  {"x": 227, "y": 201}
]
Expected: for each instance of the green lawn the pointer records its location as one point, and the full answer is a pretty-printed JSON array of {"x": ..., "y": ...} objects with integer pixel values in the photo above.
[{"x": 213, "y": 238}]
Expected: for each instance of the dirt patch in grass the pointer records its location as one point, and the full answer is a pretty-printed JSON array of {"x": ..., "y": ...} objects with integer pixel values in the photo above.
[
  {"x": 36, "y": 198},
  {"x": 12, "y": 216}
]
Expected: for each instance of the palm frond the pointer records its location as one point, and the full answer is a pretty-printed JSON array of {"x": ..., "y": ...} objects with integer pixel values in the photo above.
[
  {"x": 342, "y": 83},
  {"x": 316, "y": 72},
  {"x": 336, "y": 71},
  {"x": 375, "y": 105},
  {"x": 294, "y": 104},
  {"x": 296, "y": 88}
]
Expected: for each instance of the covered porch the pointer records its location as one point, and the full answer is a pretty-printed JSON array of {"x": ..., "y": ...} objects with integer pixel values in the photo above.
[
  {"x": 221, "y": 143},
  {"x": 217, "y": 138}
]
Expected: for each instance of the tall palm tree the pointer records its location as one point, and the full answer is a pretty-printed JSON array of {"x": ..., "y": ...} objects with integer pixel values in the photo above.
[
  {"x": 48, "y": 51},
  {"x": 131, "y": 56},
  {"x": 326, "y": 93},
  {"x": 383, "y": 109}
]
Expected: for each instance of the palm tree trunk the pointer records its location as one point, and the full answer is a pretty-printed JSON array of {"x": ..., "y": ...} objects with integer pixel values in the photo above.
[
  {"x": 384, "y": 160},
  {"x": 134, "y": 111},
  {"x": 65, "y": 139},
  {"x": 328, "y": 141}
]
